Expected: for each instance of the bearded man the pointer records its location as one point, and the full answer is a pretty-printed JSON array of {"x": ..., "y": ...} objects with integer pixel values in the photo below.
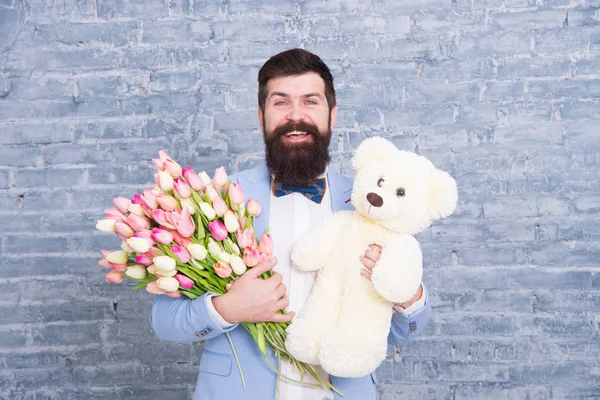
[{"x": 297, "y": 112}]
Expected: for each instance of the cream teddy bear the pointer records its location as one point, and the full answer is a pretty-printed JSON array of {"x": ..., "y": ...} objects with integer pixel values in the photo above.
[{"x": 345, "y": 322}]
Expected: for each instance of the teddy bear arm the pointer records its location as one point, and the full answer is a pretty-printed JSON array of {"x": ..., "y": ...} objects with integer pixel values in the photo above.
[
  {"x": 398, "y": 272},
  {"x": 312, "y": 250}
]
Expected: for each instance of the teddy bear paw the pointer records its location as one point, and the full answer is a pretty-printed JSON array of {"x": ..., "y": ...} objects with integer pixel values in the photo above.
[
  {"x": 349, "y": 358},
  {"x": 302, "y": 344}
]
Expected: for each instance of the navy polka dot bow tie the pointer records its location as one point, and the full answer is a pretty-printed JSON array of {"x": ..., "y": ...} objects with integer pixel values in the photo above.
[{"x": 314, "y": 191}]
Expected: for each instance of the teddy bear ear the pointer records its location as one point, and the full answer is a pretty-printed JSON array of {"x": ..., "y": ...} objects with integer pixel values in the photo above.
[
  {"x": 372, "y": 149},
  {"x": 443, "y": 195}
]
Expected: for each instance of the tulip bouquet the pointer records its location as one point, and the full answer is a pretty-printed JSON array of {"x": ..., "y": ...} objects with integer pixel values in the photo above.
[{"x": 190, "y": 235}]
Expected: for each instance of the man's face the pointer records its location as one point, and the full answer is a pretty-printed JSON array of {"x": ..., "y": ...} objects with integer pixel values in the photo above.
[{"x": 297, "y": 126}]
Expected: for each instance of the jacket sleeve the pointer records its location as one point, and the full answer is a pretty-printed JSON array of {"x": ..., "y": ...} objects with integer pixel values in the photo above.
[
  {"x": 185, "y": 320},
  {"x": 406, "y": 327}
]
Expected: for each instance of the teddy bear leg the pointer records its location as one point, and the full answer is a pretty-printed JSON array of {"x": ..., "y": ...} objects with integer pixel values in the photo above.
[{"x": 355, "y": 349}]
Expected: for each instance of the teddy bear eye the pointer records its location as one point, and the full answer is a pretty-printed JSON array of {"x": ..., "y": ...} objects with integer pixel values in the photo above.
[
  {"x": 380, "y": 182},
  {"x": 400, "y": 192}
]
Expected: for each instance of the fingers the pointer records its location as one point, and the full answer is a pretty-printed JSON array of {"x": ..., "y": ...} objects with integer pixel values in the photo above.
[
  {"x": 276, "y": 278},
  {"x": 261, "y": 268},
  {"x": 365, "y": 273},
  {"x": 367, "y": 263},
  {"x": 284, "y": 317}
]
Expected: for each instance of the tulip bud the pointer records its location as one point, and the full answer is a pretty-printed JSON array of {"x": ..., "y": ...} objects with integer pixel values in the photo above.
[
  {"x": 205, "y": 178},
  {"x": 153, "y": 288},
  {"x": 193, "y": 179},
  {"x": 219, "y": 206},
  {"x": 213, "y": 247},
  {"x": 122, "y": 204},
  {"x": 160, "y": 216},
  {"x": 113, "y": 213},
  {"x": 245, "y": 238},
  {"x": 125, "y": 247},
  {"x": 254, "y": 208},
  {"x": 166, "y": 273},
  {"x": 137, "y": 222},
  {"x": 106, "y": 225},
  {"x": 197, "y": 251},
  {"x": 148, "y": 198},
  {"x": 208, "y": 211},
  {"x": 237, "y": 264},
  {"x": 152, "y": 269},
  {"x": 104, "y": 263},
  {"x": 231, "y": 247},
  {"x": 136, "y": 209},
  {"x": 211, "y": 192},
  {"x": 136, "y": 271},
  {"x": 251, "y": 257},
  {"x": 186, "y": 226},
  {"x": 217, "y": 229},
  {"x": 162, "y": 236},
  {"x": 223, "y": 270},
  {"x": 138, "y": 244},
  {"x": 166, "y": 202},
  {"x": 189, "y": 205},
  {"x": 184, "y": 281},
  {"x": 231, "y": 222},
  {"x": 143, "y": 259},
  {"x": 164, "y": 263},
  {"x": 173, "y": 168},
  {"x": 114, "y": 277},
  {"x": 182, "y": 254},
  {"x": 223, "y": 256},
  {"x": 183, "y": 189},
  {"x": 165, "y": 180},
  {"x": 168, "y": 284},
  {"x": 220, "y": 179},
  {"x": 123, "y": 230},
  {"x": 117, "y": 257},
  {"x": 236, "y": 194},
  {"x": 266, "y": 244}
]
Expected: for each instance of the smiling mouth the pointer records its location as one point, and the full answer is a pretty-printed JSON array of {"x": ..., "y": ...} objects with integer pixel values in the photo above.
[{"x": 296, "y": 134}]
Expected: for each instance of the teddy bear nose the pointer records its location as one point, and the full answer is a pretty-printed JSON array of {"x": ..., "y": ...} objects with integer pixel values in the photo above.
[{"x": 375, "y": 199}]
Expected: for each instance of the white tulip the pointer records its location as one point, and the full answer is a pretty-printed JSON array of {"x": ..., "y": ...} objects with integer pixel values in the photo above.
[
  {"x": 237, "y": 264},
  {"x": 197, "y": 251},
  {"x": 231, "y": 222},
  {"x": 136, "y": 271},
  {"x": 106, "y": 225},
  {"x": 166, "y": 180},
  {"x": 136, "y": 209},
  {"x": 125, "y": 247},
  {"x": 223, "y": 257},
  {"x": 152, "y": 269},
  {"x": 138, "y": 244},
  {"x": 118, "y": 257},
  {"x": 164, "y": 264},
  {"x": 189, "y": 204},
  {"x": 168, "y": 284},
  {"x": 205, "y": 178},
  {"x": 167, "y": 273},
  {"x": 208, "y": 211},
  {"x": 213, "y": 248}
]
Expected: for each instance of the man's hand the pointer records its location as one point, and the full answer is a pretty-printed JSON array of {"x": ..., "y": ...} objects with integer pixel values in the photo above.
[
  {"x": 369, "y": 260},
  {"x": 252, "y": 299}
]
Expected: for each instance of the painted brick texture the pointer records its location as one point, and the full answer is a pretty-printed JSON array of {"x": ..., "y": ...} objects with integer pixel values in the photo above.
[{"x": 503, "y": 94}]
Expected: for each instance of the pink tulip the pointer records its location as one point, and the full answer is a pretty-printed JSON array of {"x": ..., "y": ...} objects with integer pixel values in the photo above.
[
  {"x": 118, "y": 267},
  {"x": 137, "y": 222},
  {"x": 211, "y": 192},
  {"x": 217, "y": 229},
  {"x": 157, "y": 180},
  {"x": 144, "y": 259},
  {"x": 114, "y": 277},
  {"x": 245, "y": 238},
  {"x": 158, "y": 163},
  {"x": 149, "y": 198},
  {"x": 183, "y": 189},
  {"x": 153, "y": 288},
  {"x": 173, "y": 217},
  {"x": 104, "y": 263},
  {"x": 123, "y": 230},
  {"x": 254, "y": 208},
  {"x": 105, "y": 252},
  {"x": 182, "y": 254},
  {"x": 162, "y": 236},
  {"x": 166, "y": 202},
  {"x": 173, "y": 168},
  {"x": 220, "y": 179},
  {"x": 122, "y": 204},
  {"x": 184, "y": 281},
  {"x": 219, "y": 206},
  {"x": 193, "y": 179},
  {"x": 222, "y": 269},
  {"x": 160, "y": 216},
  {"x": 145, "y": 233},
  {"x": 236, "y": 194},
  {"x": 251, "y": 257},
  {"x": 113, "y": 213},
  {"x": 186, "y": 226},
  {"x": 266, "y": 244}
]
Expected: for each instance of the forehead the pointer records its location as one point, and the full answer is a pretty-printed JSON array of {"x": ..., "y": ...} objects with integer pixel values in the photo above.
[{"x": 297, "y": 85}]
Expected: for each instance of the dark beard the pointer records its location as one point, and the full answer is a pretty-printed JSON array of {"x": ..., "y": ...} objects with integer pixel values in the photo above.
[{"x": 297, "y": 164}]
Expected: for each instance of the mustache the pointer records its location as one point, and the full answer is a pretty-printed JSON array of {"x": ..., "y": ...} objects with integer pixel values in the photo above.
[{"x": 292, "y": 126}]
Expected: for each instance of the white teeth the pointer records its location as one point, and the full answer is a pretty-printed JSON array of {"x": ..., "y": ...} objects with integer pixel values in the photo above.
[{"x": 295, "y": 133}]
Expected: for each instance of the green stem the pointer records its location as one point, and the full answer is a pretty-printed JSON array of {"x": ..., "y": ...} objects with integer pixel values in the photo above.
[{"x": 237, "y": 360}]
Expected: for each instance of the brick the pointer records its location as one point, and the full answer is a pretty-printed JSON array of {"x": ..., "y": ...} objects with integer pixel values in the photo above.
[
  {"x": 4, "y": 179},
  {"x": 571, "y": 302},
  {"x": 428, "y": 391},
  {"x": 13, "y": 338},
  {"x": 442, "y": 115},
  {"x": 495, "y": 45},
  {"x": 115, "y": 34},
  {"x": 177, "y": 31},
  {"x": 255, "y": 31},
  {"x": 504, "y": 91},
  {"x": 30, "y": 134},
  {"x": 560, "y": 42},
  {"x": 528, "y": 20},
  {"x": 568, "y": 88},
  {"x": 174, "y": 82},
  {"x": 52, "y": 178},
  {"x": 511, "y": 68},
  {"x": 499, "y": 391},
  {"x": 236, "y": 121},
  {"x": 56, "y": 60},
  {"x": 453, "y": 325},
  {"x": 131, "y": 9},
  {"x": 398, "y": 26}
]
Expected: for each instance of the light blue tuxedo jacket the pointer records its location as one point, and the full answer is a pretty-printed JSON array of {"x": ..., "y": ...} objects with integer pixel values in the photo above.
[{"x": 185, "y": 320}]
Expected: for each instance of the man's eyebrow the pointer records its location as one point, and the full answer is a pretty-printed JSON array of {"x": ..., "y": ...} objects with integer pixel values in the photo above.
[
  {"x": 281, "y": 94},
  {"x": 278, "y": 94},
  {"x": 313, "y": 94}
]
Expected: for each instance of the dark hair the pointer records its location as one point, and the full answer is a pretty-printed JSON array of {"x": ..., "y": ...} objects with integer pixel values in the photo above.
[{"x": 294, "y": 62}]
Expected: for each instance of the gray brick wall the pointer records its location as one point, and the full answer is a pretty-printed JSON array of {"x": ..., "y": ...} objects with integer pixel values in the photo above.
[{"x": 504, "y": 94}]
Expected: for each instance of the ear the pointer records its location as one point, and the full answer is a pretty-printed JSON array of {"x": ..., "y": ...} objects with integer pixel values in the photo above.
[
  {"x": 373, "y": 149},
  {"x": 442, "y": 195},
  {"x": 261, "y": 120}
]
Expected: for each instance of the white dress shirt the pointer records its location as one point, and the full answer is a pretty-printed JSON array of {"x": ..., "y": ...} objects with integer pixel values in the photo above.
[{"x": 290, "y": 217}]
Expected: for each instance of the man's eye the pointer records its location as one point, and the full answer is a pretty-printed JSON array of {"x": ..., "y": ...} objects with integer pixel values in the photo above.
[
  {"x": 380, "y": 182},
  {"x": 311, "y": 102},
  {"x": 280, "y": 103}
]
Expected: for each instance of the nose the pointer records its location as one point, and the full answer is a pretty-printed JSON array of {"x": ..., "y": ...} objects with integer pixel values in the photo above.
[
  {"x": 295, "y": 113},
  {"x": 374, "y": 199}
]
